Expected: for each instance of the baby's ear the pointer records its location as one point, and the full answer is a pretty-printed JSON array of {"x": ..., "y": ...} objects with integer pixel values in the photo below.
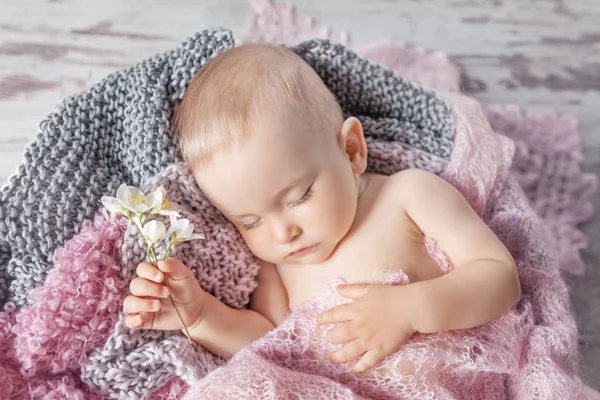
[{"x": 353, "y": 143}]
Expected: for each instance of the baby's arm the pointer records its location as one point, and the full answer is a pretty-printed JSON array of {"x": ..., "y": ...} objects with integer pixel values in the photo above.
[
  {"x": 270, "y": 297},
  {"x": 482, "y": 286},
  {"x": 224, "y": 330},
  {"x": 485, "y": 280}
]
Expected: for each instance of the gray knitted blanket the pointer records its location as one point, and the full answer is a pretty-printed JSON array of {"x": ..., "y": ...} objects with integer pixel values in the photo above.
[{"x": 65, "y": 264}]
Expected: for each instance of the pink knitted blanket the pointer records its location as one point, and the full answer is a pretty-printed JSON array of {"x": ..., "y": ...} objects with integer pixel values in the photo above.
[{"x": 530, "y": 352}]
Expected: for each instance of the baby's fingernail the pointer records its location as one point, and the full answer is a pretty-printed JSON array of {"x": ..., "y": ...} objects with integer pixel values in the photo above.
[
  {"x": 158, "y": 277},
  {"x": 155, "y": 305},
  {"x": 165, "y": 292}
]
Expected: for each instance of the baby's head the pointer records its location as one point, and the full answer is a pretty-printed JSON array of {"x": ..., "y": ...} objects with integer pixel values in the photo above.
[{"x": 269, "y": 147}]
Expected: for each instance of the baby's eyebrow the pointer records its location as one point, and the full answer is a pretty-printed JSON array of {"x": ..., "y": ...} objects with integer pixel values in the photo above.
[{"x": 288, "y": 187}]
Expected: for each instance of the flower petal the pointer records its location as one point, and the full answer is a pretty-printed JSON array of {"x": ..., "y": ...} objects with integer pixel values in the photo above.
[
  {"x": 194, "y": 236},
  {"x": 169, "y": 213},
  {"x": 161, "y": 189},
  {"x": 113, "y": 204},
  {"x": 180, "y": 228},
  {"x": 133, "y": 198},
  {"x": 154, "y": 231},
  {"x": 125, "y": 193},
  {"x": 122, "y": 192},
  {"x": 154, "y": 199},
  {"x": 167, "y": 207}
]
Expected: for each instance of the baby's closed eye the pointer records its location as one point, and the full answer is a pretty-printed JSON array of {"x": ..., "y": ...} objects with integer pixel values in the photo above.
[{"x": 304, "y": 198}]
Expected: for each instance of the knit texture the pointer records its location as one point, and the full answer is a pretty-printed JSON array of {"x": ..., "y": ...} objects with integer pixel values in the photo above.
[
  {"x": 73, "y": 319},
  {"x": 71, "y": 342},
  {"x": 117, "y": 131}
]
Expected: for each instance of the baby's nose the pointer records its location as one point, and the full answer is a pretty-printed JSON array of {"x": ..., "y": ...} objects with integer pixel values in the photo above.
[{"x": 287, "y": 233}]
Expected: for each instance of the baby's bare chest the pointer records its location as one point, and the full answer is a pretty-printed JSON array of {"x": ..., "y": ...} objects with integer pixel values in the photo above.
[{"x": 382, "y": 241}]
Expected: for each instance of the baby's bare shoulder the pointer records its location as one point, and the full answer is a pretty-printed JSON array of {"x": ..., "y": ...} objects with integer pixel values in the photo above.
[
  {"x": 412, "y": 190},
  {"x": 414, "y": 183},
  {"x": 413, "y": 177}
]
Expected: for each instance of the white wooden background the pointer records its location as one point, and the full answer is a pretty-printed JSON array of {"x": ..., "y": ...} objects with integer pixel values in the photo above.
[{"x": 537, "y": 54}]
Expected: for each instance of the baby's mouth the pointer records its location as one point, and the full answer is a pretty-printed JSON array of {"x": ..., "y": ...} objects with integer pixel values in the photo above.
[{"x": 303, "y": 251}]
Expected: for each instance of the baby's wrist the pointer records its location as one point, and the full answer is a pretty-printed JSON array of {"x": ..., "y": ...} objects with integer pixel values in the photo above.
[
  {"x": 427, "y": 312},
  {"x": 415, "y": 309},
  {"x": 205, "y": 300}
]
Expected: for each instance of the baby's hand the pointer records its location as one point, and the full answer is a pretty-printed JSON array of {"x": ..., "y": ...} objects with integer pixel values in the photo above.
[
  {"x": 371, "y": 328},
  {"x": 149, "y": 304}
]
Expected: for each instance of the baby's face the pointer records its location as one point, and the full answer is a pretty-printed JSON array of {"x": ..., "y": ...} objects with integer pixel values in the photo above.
[{"x": 290, "y": 191}]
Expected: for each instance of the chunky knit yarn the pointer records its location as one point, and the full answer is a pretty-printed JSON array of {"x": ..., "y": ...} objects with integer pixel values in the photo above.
[
  {"x": 68, "y": 265},
  {"x": 117, "y": 131}
]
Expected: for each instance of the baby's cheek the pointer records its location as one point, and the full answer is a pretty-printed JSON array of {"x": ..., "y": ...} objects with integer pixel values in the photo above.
[
  {"x": 337, "y": 217},
  {"x": 256, "y": 242}
]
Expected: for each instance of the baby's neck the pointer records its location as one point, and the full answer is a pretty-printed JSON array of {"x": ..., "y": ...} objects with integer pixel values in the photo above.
[{"x": 362, "y": 182}]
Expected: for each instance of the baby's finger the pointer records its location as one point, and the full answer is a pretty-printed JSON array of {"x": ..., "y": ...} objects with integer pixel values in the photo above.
[
  {"x": 335, "y": 315},
  {"x": 175, "y": 268},
  {"x": 142, "y": 287},
  {"x": 367, "y": 361},
  {"x": 341, "y": 334},
  {"x": 135, "y": 321},
  {"x": 150, "y": 272},
  {"x": 349, "y": 352},
  {"x": 353, "y": 291},
  {"x": 133, "y": 304}
]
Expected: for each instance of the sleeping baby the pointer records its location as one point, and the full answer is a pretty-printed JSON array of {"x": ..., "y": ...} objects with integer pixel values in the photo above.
[{"x": 269, "y": 146}]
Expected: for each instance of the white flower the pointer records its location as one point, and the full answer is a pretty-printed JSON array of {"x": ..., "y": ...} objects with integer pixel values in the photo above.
[
  {"x": 182, "y": 230},
  {"x": 155, "y": 199},
  {"x": 130, "y": 198},
  {"x": 154, "y": 231},
  {"x": 167, "y": 207}
]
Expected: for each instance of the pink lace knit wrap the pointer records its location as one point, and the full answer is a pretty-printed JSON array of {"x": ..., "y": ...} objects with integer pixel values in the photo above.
[{"x": 529, "y": 352}]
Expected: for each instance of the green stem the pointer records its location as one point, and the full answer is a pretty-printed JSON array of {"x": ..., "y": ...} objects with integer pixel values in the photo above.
[
  {"x": 187, "y": 333},
  {"x": 155, "y": 262},
  {"x": 151, "y": 213},
  {"x": 168, "y": 249}
]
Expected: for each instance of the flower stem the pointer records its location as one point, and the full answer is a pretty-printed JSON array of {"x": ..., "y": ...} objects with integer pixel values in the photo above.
[
  {"x": 168, "y": 249},
  {"x": 151, "y": 213},
  {"x": 155, "y": 263},
  {"x": 187, "y": 333}
]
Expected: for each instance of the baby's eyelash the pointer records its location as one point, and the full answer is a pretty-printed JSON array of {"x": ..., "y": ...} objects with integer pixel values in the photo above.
[
  {"x": 304, "y": 198},
  {"x": 247, "y": 227}
]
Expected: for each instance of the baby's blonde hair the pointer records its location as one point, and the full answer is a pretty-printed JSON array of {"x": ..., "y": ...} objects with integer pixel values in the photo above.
[{"x": 245, "y": 84}]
